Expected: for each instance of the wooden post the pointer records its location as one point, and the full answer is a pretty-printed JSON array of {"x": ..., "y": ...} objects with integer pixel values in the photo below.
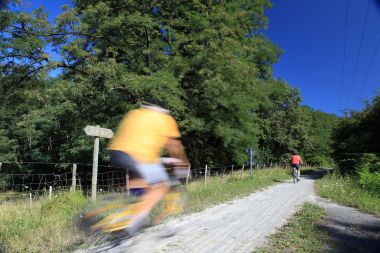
[
  {"x": 206, "y": 174},
  {"x": 74, "y": 178},
  {"x": 232, "y": 169},
  {"x": 97, "y": 132},
  {"x": 188, "y": 175},
  {"x": 30, "y": 200},
  {"x": 241, "y": 172},
  {"x": 94, "y": 181},
  {"x": 50, "y": 191}
]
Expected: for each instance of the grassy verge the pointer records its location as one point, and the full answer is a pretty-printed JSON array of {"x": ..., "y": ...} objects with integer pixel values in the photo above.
[
  {"x": 48, "y": 225},
  {"x": 346, "y": 191},
  {"x": 301, "y": 234}
]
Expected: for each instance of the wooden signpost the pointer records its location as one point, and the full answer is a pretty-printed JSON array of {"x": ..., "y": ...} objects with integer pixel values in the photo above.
[{"x": 97, "y": 132}]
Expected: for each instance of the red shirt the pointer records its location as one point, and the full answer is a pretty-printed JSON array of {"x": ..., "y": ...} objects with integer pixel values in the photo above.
[{"x": 296, "y": 159}]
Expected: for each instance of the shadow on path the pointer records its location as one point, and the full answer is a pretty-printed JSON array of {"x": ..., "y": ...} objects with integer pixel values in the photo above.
[
  {"x": 309, "y": 174},
  {"x": 350, "y": 230}
]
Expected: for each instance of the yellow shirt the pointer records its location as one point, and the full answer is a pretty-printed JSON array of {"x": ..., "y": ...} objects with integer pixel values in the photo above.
[{"x": 143, "y": 133}]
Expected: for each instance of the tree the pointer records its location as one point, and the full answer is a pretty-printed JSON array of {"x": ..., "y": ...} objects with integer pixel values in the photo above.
[
  {"x": 319, "y": 135},
  {"x": 357, "y": 134},
  {"x": 207, "y": 60},
  {"x": 281, "y": 122}
]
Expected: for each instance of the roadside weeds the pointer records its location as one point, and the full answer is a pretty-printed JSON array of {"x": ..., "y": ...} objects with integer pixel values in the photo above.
[{"x": 301, "y": 233}]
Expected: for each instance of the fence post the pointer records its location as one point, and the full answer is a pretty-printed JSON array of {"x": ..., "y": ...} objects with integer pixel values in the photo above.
[
  {"x": 127, "y": 184},
  {"x": 74, "y": 178},
  {"x": 232, "y": 169},
  {"x": 50, "y": 191},
  {"x": 188, "y": 175},
  {"x": 241, "y": 172},
  {"x": 30, "y": 200},
  {"x": 206, "y": 174},
  {"x": 250, "y": 161}
]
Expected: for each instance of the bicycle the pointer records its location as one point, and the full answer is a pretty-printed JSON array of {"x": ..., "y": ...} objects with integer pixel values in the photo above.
[
  {"x": 295, "y": 174},
  {"x": 112, "y": 217}
]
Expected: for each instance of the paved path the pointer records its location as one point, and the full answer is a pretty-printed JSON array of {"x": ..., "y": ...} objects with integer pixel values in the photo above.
[{"x": 238, "y": 226}]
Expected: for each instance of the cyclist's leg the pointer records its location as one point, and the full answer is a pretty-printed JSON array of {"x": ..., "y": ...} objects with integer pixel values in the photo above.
[
  {"x": 155, "y": 175},
  {"x": 298, "y": 171}
]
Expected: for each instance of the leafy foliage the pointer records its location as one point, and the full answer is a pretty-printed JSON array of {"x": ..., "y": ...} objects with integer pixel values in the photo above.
[
  {"x": 208, "y": 61},
  {"x": 356, "y": 135}
]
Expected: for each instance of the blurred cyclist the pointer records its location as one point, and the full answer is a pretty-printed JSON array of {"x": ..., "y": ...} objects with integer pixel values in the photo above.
[
  {"x": 142, "y": 135},
  {"x": 296, "y": 161}
]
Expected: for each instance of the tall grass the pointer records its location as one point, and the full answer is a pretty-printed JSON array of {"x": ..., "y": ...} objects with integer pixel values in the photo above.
[
  {"x": 45, "y": 227},
  {"x": 347, "y": 191}
]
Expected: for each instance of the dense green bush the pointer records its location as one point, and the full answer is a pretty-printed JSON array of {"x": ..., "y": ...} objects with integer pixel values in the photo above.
[{"x": 368, "y": 168}]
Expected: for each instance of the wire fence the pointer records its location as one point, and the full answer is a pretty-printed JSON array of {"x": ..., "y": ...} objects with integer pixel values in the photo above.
[{"x": 14, "y": 186}]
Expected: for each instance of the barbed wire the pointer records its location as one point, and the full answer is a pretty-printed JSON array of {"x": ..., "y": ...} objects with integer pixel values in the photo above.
[{"x": 19, "y": 185}]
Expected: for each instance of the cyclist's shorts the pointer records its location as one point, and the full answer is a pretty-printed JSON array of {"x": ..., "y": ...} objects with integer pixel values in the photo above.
[
  {"x": 152, "y": 173},
  {"x": 296, "y": 165},
  {"x": 123, "y": 160}
]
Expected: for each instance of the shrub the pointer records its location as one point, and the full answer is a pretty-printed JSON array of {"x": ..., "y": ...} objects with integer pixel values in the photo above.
[
  {"x": 368, "y": 170},
  {"x": 370, "y": 181}
]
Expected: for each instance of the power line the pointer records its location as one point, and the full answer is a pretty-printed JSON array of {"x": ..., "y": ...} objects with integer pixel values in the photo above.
[
  {"x": 358, "y": 54},
  {"x": 344, "y": 56},
  {"x": 369, "y": 68}
]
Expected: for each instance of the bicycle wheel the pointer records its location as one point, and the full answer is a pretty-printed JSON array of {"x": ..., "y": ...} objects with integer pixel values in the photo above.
[
  {"x": 294, "y": 175},
  {"x": 107, "y": 214},
  {"x": 173, "y": 204}
]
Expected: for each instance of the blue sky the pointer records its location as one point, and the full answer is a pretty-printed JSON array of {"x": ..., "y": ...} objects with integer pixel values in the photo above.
[
  {"x": 312, "y": 35},
  {"x": 335, "y": 68}
]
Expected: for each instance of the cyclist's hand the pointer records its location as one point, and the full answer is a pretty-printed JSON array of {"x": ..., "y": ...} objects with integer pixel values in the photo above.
[{"x": 174, "y": 162}]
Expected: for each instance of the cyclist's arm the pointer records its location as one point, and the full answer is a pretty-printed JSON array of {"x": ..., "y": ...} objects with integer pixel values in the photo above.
[{"x": 176, "y": 150}]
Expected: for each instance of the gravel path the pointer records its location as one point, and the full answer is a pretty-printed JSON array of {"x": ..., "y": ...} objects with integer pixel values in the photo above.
[
  {"x": 351, "y": 231},
  {"x": 238, "y": 226},
  {"x": 242, "y": 225}
]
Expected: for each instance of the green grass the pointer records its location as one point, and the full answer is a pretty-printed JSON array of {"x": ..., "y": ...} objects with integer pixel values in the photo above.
[
  {"x": 45, "y": 227},
  {"x": 300, "y": 234},
  {"x": 49, "y": 225},
  {"x": 346, "y": 191}
]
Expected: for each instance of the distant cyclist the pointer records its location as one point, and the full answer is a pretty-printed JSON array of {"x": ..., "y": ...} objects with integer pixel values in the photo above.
[
  {"x": 296, "y": 161},
  {"x": 137, "y": 145}
]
